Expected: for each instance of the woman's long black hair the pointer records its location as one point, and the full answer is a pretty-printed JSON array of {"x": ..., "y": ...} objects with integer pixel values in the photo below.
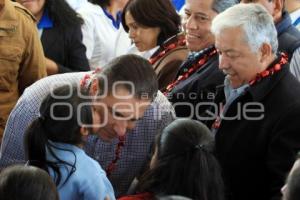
[
  {"x": 62, "y": 14},
  {"x": 59, "y": 121},
  {"x": 184, "y": 164}
]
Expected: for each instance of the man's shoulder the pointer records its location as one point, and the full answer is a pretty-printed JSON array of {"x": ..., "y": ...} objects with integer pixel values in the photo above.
[
  {"x": 42, "y": 87},
  {"x": 285, "y": 91},
  {"x": 160, "y": 106},
  {"x": 60, "y": 78},
  {"x": 161, "y": 99},
  {"x": 22, "y": 11}
]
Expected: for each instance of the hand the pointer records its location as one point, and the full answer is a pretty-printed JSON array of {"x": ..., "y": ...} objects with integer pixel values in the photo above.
[{"x": 51, "y": 67}]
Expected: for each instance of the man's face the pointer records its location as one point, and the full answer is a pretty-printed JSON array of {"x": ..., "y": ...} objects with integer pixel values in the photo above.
[
  {"x": 197, "y": 19},
  {"x": 117, "y": 114},
  {"x": 236, "y": 59}
]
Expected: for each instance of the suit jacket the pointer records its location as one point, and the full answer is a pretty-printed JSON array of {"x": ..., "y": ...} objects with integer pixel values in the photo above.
[
  {"x": 65, "y": 47},
  {"x": 256, "y": 154},
  {"x": 199, "y": 88},
  {"x": 168, "y": 65}
]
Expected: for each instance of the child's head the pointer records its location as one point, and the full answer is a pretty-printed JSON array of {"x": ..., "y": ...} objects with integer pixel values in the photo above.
[
  {"x": 63, "y": 116},
  {"x": 26, "y": 182},
  {"x": 183, "y": 136},
  {"x": 183, "y": 163},
  {"x": 64, "y": 113}
]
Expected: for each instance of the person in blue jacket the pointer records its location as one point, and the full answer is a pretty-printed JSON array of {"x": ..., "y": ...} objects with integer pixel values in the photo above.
[{"x": 53, "y": 142}]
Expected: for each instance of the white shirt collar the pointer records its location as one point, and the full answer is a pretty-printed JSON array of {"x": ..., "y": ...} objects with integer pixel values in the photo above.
[
  {"x": 144, "y": 54},
  {"x": 231, "y": 92}
]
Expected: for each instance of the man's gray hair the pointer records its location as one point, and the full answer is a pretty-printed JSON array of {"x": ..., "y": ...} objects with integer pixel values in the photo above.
[
  {"x": 221, "y": 5},
  {"x": 254, "y": 20}
]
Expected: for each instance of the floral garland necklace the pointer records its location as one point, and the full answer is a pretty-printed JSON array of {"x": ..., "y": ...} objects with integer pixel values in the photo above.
[
  {"x": 86, "y": 82},
  {"x": 172, "y": 43},
  {"x": 271, "y": 70},
  {"x": 277, "y": 66},
  {"x": 112, "y": 166},
  {"x": 207, "y": 54}
]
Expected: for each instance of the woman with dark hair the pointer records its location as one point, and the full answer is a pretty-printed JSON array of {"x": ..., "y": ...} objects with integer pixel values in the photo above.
[
  {"x": 26, "y": 182},
  {"x": 183, "y": 164},
  {"x": 53, "y": 141},
  {"x": 154, "y": 28},
  {"x": 60, "y": 32},
  {"x": 102, "y": 19}
]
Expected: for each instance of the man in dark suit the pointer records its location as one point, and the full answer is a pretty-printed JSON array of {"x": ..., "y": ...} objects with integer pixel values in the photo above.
[
  {"x": 195, "y": 85},
  {"x": 257, "y": 132}
]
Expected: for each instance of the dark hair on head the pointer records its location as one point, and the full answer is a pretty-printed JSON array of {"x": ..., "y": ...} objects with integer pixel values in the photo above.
[
  {"x": 59, "y": 122},
  {"x": 62, "y": 14},
  {"x": 131, "y": 69},
  {"x": 184, "y": 163},
  {"x": 154, "y": 13},
  {"x": 25, "y": 182},
  {"x": 102, "y": 3}
]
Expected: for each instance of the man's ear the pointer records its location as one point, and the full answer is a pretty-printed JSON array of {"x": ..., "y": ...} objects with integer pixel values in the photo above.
[
  {"x": 266, "y": 53},
  {"x": 278, "y": 10},
  {"x": 84, "y": 131}
]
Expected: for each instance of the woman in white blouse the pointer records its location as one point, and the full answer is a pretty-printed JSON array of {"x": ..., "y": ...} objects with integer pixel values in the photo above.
[{"x": 101, "y": 26}]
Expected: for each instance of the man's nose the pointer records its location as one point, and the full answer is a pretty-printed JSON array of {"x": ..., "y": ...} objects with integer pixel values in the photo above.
[
  {"x": 131, "y": 34},
  {"x": 121, "y": 127},
  {"x": 190, "y": 23},
  {"x": 223, "y": 62}
]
